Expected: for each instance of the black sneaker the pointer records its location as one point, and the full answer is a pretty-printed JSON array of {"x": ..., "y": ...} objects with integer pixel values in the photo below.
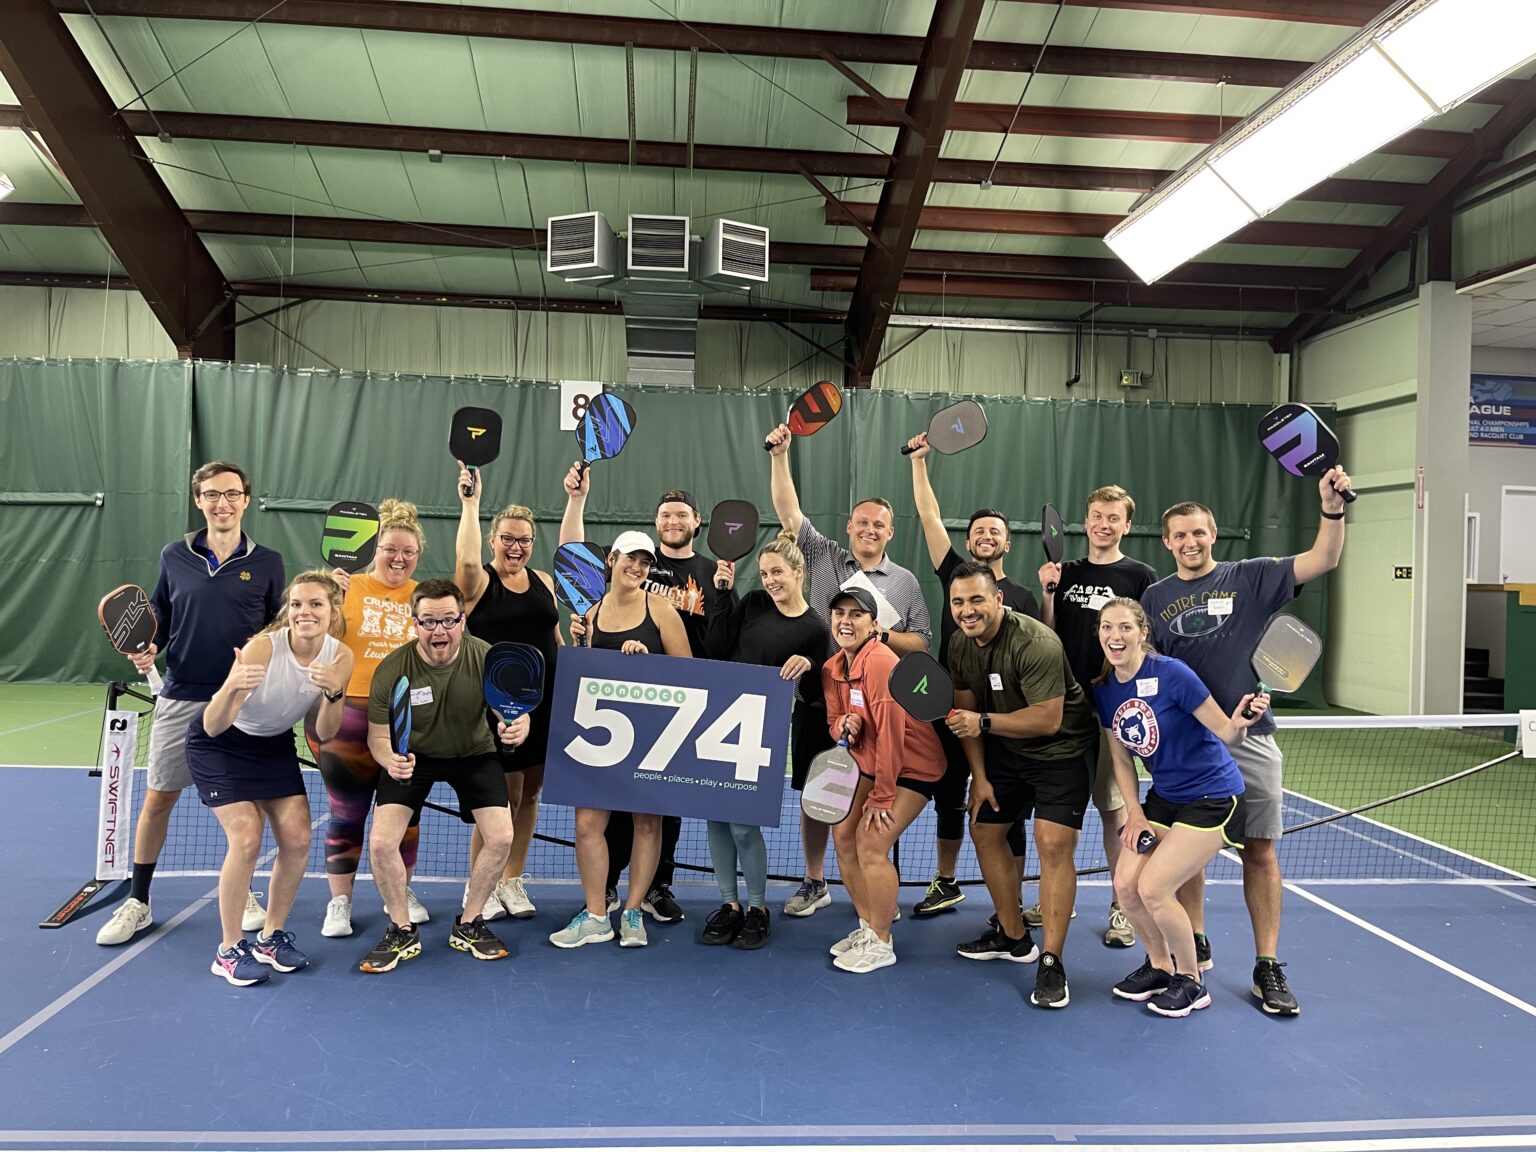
[
  {"x": 1203, "y": 952},
  {"x": 722, "y": 925},
  {"x": 398, "y": 944},
  {"x": 1183, "y": 995},
  {"x": 995, "y": 945},
  {"x": 1144, "y": 983},
  {"x": 476, "y": 939},
  {"x": 1050, "y": 983},
  {"x": 755, "y": 930},
  {"x": 660, "y": 904},
  {"x": 993, "y": 924},
  {"x": 1269, "y": 986},
  {"x": 611, "y": 897},
  {"x": 942, "y": 895}
]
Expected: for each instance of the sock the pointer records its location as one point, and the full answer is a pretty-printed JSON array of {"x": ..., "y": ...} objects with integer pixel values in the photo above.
[
  {"x": 138, "y": 888},
  {"x": 1266, "y": 960},
  {"x": 947, "y": 879}
]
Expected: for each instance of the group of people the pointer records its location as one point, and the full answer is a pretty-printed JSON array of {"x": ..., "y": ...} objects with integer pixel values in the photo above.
[{"x": 1053, "y": 699}]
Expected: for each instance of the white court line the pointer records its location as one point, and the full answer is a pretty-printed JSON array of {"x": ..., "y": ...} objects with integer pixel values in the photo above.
[
  {"x": 1414, "y": 950},
  {"x": 54, "y": 720}
]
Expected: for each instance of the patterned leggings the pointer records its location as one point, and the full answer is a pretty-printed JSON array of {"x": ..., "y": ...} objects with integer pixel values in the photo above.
[{"x": 351, "y": 775}]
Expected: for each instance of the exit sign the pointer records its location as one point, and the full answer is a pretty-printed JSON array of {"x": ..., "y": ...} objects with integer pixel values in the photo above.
[{"x": 1402, "y": 572}]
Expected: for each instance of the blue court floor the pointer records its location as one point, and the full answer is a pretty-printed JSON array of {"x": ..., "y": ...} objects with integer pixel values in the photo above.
[{"x": 1418, "y": 1027}]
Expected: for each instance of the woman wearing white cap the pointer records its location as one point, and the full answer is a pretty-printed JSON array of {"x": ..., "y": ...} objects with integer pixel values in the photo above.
[{"x": 631, "y": 620}]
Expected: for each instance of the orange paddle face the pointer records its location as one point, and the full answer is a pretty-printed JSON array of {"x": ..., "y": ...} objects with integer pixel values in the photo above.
[{"x": 815, "y": 409}]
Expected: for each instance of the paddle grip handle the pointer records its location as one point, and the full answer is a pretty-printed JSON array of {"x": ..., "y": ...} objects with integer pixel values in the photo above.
[
  {"x": 1248, "y": 712},
  {"x": 907, "y": 449},
  {"x": 468, "y": 490},
  {"x": 1146, "y": 842},
  {"x": 1050, "y": 589},
  {"x": 155, "y": 682},
  {"x": 1347, "y": 493}
]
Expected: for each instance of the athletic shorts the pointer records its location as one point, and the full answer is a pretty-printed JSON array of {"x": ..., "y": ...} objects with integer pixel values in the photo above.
[
  {"x": 924, "y": 788},
  {"x": 528, "y": 754},
  {"x": 168, "y": 743},
  {"x": 1258, "y": 759},
  {"x": 808, "y": 738},
  {"x": 1224, "y": 814},
  {"x": 478, "y": 781},
  {"x": 1106, "y": 793},
  {"x": 951, "y": 794},
  {"x": 1054, "y": 790},
  {"x": 235, "y": 766}
]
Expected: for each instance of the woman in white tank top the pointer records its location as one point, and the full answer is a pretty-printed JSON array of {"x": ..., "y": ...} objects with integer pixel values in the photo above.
[{"x": 242, "y": 758}]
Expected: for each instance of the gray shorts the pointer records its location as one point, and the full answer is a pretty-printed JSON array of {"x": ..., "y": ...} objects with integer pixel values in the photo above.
[
  {"x": 1106, "y": 793},
  {"x": 168, "y": 743},
  {"x": 1258, "y": 759}
]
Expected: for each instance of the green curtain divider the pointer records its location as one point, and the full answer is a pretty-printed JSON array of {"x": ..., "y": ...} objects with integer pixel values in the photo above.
[{"x": 52, "y": 499}]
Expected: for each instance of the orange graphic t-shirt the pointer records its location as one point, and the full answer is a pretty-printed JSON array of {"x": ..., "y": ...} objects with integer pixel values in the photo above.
[{"x": 378, "y": 622}]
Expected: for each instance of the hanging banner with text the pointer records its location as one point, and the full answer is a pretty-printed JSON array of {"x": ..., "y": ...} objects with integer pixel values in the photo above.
[
  {"x": 666, "y": 735},
  {"x": 1503, "y": 410}
]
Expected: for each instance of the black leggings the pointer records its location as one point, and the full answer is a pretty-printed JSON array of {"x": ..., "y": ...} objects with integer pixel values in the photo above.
[{"x": 620, "y": 835}]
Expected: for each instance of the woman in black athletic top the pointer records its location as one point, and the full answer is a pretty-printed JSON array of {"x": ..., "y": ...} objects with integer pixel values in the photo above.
[
  {"x": 627, "y": 619},
  {"x": 508, "y": 600}
]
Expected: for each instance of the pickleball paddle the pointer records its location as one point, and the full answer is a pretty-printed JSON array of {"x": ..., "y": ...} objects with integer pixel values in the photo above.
[
  {"x": 733, "y": 528},
  {"x": 514, "y": 679},
  {"x": 474, "y": 438},
  {"x": 955, "y": 428},
  {"x": 1285, "y": 654},
  {"x": 351, "y": 535},
  {"x": 400, "y": 717},
  {"x": 830, "y": 784},
  {"x": 580, "y": 579},
  {"x": 1296, "y": 436},
  {"x": 604, "y": 428},
  {"x": 1053, "y": 538},
  {"x": 130, "y": 623},
  {"x": 921, "y": 686},
  {"x": 812, "y": 410}
]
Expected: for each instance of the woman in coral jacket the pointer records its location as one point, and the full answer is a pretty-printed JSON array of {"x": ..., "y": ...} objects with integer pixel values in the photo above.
[{"x": 900, "y": 763}]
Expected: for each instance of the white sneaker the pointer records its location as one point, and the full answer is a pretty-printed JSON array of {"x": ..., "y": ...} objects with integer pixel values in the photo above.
[
  {"x": 513, "y": 896},
  {"x": 338, "y": 917},
  {"x": 254, "y": 918},
  {"x": 415, "y": 908},
  {"x": 874, "y": 953},
  {"x": 854, "y": 939},
  {"x": 131, "y": 918},
  {"x": 492, "y": 909}
]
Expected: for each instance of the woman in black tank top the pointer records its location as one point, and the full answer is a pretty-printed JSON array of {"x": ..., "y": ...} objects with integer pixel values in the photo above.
[
  {"x": 627, "y": 619},
  {"x": 508, "y": 600}
]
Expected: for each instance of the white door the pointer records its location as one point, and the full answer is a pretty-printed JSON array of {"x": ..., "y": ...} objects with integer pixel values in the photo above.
[{"x": 1517, "y": 536}]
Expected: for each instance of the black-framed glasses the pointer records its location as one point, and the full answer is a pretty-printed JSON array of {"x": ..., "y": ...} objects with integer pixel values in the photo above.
[
  {"x": 519, "y": 541},
  {"x": 233, "y": 495},
  {"x": 447, "y": 623}
]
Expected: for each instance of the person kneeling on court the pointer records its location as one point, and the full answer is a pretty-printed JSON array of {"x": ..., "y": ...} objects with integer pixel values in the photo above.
[
  {"x": 240, "y": 753},
  {"x": 449, "y": 741},
  {"x": 1156, "y": 707}
]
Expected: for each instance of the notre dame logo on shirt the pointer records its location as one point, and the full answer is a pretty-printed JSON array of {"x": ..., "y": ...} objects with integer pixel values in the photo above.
[{"x": 246, "y": 576}]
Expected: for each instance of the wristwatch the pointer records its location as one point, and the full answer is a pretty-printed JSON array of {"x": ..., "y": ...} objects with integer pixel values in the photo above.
[
  {"x": 333, "y": 697},
  {"x": 986, "y": 722},
  {"x": 885, "y": 637}
]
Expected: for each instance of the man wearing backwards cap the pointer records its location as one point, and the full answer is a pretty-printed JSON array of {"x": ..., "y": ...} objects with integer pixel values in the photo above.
[{"x": 686, "y": 580}]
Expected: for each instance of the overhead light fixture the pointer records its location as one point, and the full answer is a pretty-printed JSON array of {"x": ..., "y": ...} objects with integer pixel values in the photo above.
[
  {"x": 6, "y": 187},
  {"x": 1423, "y": 59}
]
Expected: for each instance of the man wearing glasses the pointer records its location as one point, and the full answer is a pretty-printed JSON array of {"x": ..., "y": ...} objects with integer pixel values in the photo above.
[
  {"x": 216, "y": 589},
  {"x": 449, "y": 742}
]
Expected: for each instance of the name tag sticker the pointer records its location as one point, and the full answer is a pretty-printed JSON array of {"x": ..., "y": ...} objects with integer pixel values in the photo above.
[
  {"x": 1219, "y": 605},
  {"x": 1147, "y": 687},
  {"x": 421, "y": 695},
  {"x": 1097, "y": 601},
  {"x": 996, "y": 680},
  {"x": 855, "y": 698}
]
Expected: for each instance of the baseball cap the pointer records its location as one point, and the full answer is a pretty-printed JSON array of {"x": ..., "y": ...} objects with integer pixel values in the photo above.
[
  {"x": 631, "y": 542},
  {"x": 859, "y": 596},
  {"x": 678, "y": 496}
]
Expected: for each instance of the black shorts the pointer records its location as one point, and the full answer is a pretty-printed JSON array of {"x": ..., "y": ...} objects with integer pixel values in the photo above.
[
  {"x": 924, "y": 788},
  {"x": 809, "y": 736},
  {"x": 528, "y": 754},
  {"x": 478, "y": 782},
  {"x": 1054, "y": 790},
  {"x": 1224, "y": 814}
]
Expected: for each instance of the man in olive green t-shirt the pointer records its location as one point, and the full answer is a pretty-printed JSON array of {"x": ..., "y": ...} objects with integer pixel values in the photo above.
[
  {"x": 450, "y": 741},
  {"x": 1026, "y": 728}
]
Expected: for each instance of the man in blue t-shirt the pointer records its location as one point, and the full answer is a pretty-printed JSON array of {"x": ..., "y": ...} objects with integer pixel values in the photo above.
[
  {"x": 217, "y": 588},
  {"x": 1210, "y": 615}
]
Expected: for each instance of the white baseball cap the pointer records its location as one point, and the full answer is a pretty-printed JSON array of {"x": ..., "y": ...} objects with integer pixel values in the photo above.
[{"x": 629, "y": 543}]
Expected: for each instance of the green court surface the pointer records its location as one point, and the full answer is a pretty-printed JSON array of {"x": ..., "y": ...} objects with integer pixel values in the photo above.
[{"x": 55, "y": 724}]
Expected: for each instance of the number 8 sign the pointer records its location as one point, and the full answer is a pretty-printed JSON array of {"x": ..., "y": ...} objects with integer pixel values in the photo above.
[
  {"x": 575, "y": 395},
  {"x": 666, "y": 735}
]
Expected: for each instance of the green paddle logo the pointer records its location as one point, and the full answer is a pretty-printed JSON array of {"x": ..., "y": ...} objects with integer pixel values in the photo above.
[{"x": 921, "y": 686}]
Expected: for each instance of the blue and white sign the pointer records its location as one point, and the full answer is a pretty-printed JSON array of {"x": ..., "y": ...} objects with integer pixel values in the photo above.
[
  {"x": 1503, "y": 410},
  {"x": 662, "y": 734}
]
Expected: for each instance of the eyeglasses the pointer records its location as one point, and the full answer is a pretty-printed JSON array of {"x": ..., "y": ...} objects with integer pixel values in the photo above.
[
  {"x": 519, "y": 541},
  {"x": 209, "y": 496},
  {"x": 408, "y": 553},
  {"x": 447, "y": 623}
]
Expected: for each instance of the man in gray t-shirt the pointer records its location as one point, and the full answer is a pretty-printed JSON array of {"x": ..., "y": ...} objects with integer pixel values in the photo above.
[{"x": 1210, "y": 615}]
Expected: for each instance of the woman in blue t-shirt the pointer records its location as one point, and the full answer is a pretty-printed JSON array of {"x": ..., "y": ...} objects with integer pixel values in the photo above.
[{"x": 1155, "y": 707}]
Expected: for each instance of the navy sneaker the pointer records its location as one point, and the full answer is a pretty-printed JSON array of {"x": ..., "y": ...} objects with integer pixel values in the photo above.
[
  {"x": 277, "y": 951},
  {"x": 1183, "y": 995},
  {"x": 239, "y": 966},
  {"x": 1144, "y": 983}
]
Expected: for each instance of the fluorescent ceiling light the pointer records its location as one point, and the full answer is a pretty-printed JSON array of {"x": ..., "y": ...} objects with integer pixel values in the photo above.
[
  {"x": 6, "y": 187},
  {"x": 1453, "y": 48},
  {"x": 1194, "y": 215}
]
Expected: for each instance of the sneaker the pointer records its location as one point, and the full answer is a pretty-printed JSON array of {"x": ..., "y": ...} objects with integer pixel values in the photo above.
[
  {"x": 398, "y": 944},
  {"x": 338, "y": 917},
  {"x": 415, "y": 908},
  {"x": 632, "y": 929},
  {"x": 1144, "y": 983},
  {"x": 1033, "y": 918},
  {"x": 131, "y": 918},
  {"x": 755, "y": 930},
  {"x": 491, "y": 911},
  {"x": 1269, "y": 986},
  {"x": 811, "y": 895},
  {"x": 1050, "y": 983},
  {"x": 1203, "y": 952},
  {"x": 612, "y": 898},
  {"x": 854, "y": 939},
  {"x": 995, "y": 945},
  {"x": 661, "y": 905},
  {"x": 1183, "y": 995},
  {"x": 872, "y": 954},
  {"x": 1119, "y": 934},
  {"x": 476, "y": 939},
  {"x": 513, "y": 896},
  {"x": 584, "y": 928},
  {"x": 238, "y": 965},
  {"x": 942, "y": 895},
  {"x": 277, "y": 951},
  {"x": 254, "y": 919},
  {"x": 722, "y": 926}
]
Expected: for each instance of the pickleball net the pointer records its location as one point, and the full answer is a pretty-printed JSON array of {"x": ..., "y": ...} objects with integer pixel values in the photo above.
[{"x": 1445, "y": 799}]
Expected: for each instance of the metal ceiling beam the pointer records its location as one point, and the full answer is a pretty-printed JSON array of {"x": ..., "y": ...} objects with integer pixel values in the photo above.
[
  {"x": 1110, "y": 124},
  {"x": 1284, "y": 233},
  {"x": 1344, "y": 13},
  {"x": 69, "y": 107},
  {"x": 1486, "y": 144},
  {"x": 895, "y": 218}
]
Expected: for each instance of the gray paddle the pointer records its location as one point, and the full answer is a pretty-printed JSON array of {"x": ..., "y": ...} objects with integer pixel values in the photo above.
[
  {"x": 1286, "y": 654},
  {"x": 955, "y": 428},
  {"x": 830, "y": 784}
]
